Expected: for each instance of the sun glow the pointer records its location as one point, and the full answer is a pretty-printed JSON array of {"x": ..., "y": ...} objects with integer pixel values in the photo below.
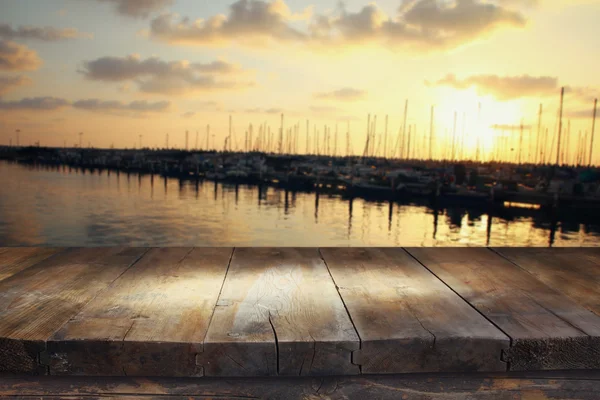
[{"x": 474, "y": 123}]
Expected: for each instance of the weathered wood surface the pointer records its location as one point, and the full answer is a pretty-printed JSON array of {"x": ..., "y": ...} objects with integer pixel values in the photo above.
[
  {"x": 574, "y": 272},
  {"x": 151, "y": 322},
  {"x": 37, "y": 301},
  {"x": 409, "y": 321},
  {"x": 548, "y": 329},
  {"x": 382, "y": 387},
  {"x": 16, "y": 259},
  {"x": 279, "y": 313},
  {"x": 184, "y": 312}
]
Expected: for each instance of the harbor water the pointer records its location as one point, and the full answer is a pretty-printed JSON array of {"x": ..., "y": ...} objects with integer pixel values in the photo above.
[{"x": 42, "y": 206}]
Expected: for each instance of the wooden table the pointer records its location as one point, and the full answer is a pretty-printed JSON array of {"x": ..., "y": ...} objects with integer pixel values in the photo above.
[{"x": 350, "y": 314}]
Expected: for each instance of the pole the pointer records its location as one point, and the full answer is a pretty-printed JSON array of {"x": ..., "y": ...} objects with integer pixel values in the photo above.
[
  {"x": 431, "y": 135},
  {"x": 280, "y": 145},
  {"x": 537, "y": 146},
  {"x": 521, "y": 141},
  {"x": 230, "y": 129},
  {"x": 562, "y": 95},
  {"x": 477, "y": 150},
  {"x": 404, "y": 129},
  {"x": 385, "y": 138},
  {"x": 593, "y": 128}
]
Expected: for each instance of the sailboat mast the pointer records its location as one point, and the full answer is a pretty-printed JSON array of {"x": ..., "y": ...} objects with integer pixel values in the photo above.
[
  {"x": 593, "y": 128},
  {"x": 385, "y": 137},
  {"x": 431, "y": 135},
  {"x": 562, "y": 95}
]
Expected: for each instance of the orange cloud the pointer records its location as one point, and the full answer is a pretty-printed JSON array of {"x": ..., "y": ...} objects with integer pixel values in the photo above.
[
  {"x": 155, "y": 76},
  {"x": 8, "y": 83},
  {"x": 47, "y": 34},
  {"x": 345, "y": 94},
  {"x": 503, "y": 87},
  {"x": 17, "y": 57},
  {"x": 419, "y": 24},
  {"x": 138, "y": 8}
]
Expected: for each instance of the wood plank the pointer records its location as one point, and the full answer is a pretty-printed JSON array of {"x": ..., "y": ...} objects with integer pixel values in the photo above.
[
  {"x": 150, "y": 322},
  {"x": 548, "y": 329},
  {"x": 574, "y": 272},
  {"x": 381, "y": 387},
  {"x": 407, "y": 319},
  {"x": 36, "y": 302},
  {"x": 279, "y": 313},
  {"x": 16, "y": 259}
]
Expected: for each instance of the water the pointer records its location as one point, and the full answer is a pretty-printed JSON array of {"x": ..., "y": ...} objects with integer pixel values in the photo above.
[{"x": 50, "y": 207}]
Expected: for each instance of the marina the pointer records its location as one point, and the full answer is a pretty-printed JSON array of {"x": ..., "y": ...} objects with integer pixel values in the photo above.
[{"x": 136, "y": 209}]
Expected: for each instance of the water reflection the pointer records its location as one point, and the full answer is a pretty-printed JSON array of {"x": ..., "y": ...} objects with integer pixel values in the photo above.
[{"x": 63, "y": 206}]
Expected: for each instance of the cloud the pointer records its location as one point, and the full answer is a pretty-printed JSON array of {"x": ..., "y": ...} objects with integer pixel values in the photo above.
[
  {"x": 420, "y": 25},
  {"x": 188, "y": 114},
  {"x": 105, "y": 106},
  {"x": 503, "y": 87},
  {"x": 153, "y": 75},
  {"x": 111, "y": 106},
  {"x": 17, "y": 57},
  {"x": 516, "y": 87},
  {"x": 34, "y": 103},
  {"x": 248, "y": 20},
  {"x": 505, "y": 127},
  {"x": 8, "y": 83},
  {"x": 345, "y": 94},
  {"x": 585, "y": 113},
  {"x": 138, "y": 8},
  {"x": 47, "y": 34},
  {"x": 272, "y": 110},
  {"x": 325, "y": 110},
  {"x": 582, "y": 94}
]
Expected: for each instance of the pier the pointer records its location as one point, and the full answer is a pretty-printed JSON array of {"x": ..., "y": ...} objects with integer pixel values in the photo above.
[{"x": 300, "y": 322}]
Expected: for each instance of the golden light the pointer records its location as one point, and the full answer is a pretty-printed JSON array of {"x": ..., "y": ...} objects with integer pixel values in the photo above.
[{"x": 478, "y": 125}]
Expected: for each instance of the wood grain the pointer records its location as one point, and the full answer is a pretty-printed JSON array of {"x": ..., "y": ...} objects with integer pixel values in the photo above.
[
  {"x": 16, "y": 259},
  {"x": 574, "y": 272},
  {"x": 150, "y": 322},
  {"x": 407, "y": 319},
  {"x": 36, "y": 302},
  {"x": 381, "y": 387},
  {"x": 548, "y": 329},
  {"x": 279, "y": 313}
]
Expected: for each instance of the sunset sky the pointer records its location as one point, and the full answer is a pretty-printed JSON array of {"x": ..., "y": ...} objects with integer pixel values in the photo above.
[{"x": 117, "y": 69}]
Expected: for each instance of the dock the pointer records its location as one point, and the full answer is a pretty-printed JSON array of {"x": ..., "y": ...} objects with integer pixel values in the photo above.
[{"x": 310, "y": 323}]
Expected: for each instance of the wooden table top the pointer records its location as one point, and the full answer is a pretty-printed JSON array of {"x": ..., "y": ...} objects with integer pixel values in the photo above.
[{"x": 248, "y": 312}]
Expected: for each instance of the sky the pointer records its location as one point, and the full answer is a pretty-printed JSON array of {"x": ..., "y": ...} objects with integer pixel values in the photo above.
[{"x": 118, "y": 69}]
